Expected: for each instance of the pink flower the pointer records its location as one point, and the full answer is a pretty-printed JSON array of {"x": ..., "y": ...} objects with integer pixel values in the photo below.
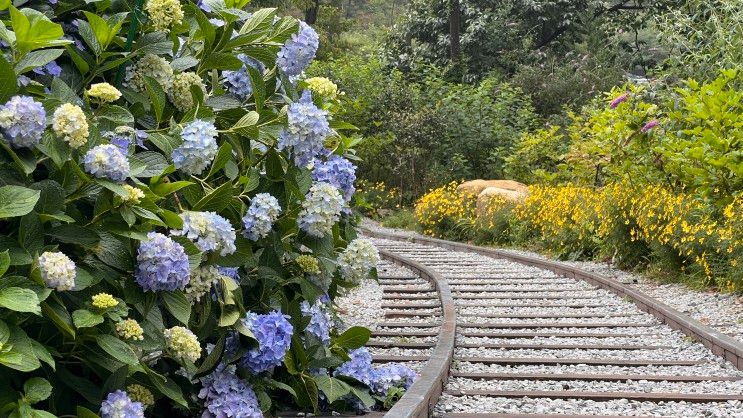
[
  {"x": 650, "y": 125},
  {"x": 619, "y": 99}
]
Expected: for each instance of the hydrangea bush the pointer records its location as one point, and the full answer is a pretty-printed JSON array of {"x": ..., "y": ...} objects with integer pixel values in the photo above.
[{"x": 175, "y": 212}]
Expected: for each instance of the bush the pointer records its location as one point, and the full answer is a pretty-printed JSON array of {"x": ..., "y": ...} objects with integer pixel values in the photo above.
[{"x": 165, "y": 243}]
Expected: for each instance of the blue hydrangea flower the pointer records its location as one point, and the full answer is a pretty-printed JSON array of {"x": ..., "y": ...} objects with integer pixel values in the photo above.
[
  {"x": 338, "y": 172},
  {"x": 22, "y": 121},
  {"x": 118, "y": 405},
  {"x": 274, "y": 334},
  {"x": 52, "y": 69},
  {"x": 107, "y": 162},
  {"x": 238, "y": 82},
  {"x": 258, "y": 220},
  {"x": 307, "y": 129},
  {"x": 359, "y": 367},
  {"x": 209, "y": 231},
  {"x": 227, "y": 396},
  {"x": 230, "y": 272},
  {"x": 319, "y": 325},
  {"x": 321, "y": 209},
  {"x": 198, "y": 149},
  {"x": 299, "y": 51},
  {"x": 392, "y": 375},
  {"x": 162, "y": 264}
]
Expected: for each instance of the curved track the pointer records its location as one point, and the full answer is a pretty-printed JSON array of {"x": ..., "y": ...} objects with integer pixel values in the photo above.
[{"x": 532, "y": 342}]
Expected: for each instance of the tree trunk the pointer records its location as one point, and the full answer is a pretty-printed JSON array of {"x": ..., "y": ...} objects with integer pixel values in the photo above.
[
  {"x": 455, "y": 25},
  {"x": 310, "y": 15}
]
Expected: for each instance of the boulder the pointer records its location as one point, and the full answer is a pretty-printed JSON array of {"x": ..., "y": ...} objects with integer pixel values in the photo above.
[
  {"x": 490, "y": 192},
  {"x": 477, "y": 186}
]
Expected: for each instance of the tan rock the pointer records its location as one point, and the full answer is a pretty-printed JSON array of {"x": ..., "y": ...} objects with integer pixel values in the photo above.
[
  {"x": 477, "y": 186},
  {"x": 484, "y": 198}
]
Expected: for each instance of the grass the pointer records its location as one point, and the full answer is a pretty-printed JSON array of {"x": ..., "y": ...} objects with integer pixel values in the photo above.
[{"x": 401, "y": 219}]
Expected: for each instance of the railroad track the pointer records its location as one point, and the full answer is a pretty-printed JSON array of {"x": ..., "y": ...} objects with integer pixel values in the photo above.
[{"x": 532, "y": 342}]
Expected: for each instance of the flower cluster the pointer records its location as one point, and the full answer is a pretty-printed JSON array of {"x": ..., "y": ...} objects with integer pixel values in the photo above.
[
  {"x": 357, "y": 260},
  {"x": 338, "y": 172},
  {"x": 320, "y": 210},
  {"x": 392, "y": 375},
  {"x": 141, "y": 394},
  {"x": 180, "y": 94},
  {"x": 359, "y": 367},
  {"x": 238, "y": 82},
  {"x": 133, "y": 195},
  {"x": 319, "y": 325},
  {"x": 209, "y": 231},
  {"x": 307, "y": 129},
  {"x": 618, "y": 100},
  {"x": 129, "y": 329},
  {"x": 22, "y": 121},
  {"x": 274, "y": 334},
  {"x": 323, "y": 87},
  {"x": 182, "y": 342},
  {"x": 149, "y": 66},
  {"x": 103, "y": 301},
  {"x": 118, "y": 405},
  {"x": 308, "y": 264},
  {"x": 198, "y": 149},
  {"x": 263, "y": 211},
  {"x": 107, "y": 162},
  {"x": 57, "y": 270},
  {"x": 104, "y": 92},
  {"x": 123, "y": 136},
  {"x": 70, "y": 123},
  {"x": 164, "y": 14},
  {"x": 226, "y": 395},
  {"x": 202, "y": 280},
  {"x": 162, "y": 264},
  {"x": 297, "y": 53}
]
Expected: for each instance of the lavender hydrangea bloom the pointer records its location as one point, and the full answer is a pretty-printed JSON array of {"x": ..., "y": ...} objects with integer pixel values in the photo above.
[
  {"x": 22, "y": 121},
  {"x": 359, "y": 367},
  {"x": 238, "y": 82},
  {"x": 321, "y": 209},
  {"x": 274, "y": 334},
  {"x": 107, "y": 162},
  {"x": 118, "y": 405},
  {"x": 307, "y": 129},
  {"x": 338, "y": 172},
  {"x": 299, "y": 51},
  {"x": 319, "y": 325},
  {"x": 52, "y": 69},
  {"x": 210, "y": 231},
  {"x": 198, "y": 149},
  {"x": 230, "y": 272},
  {"x": 162, "y": 264},
  {"x": 263, "y": 211},
  {"x": 227, "y": 396},
  {"x": 391, "y": 375}
]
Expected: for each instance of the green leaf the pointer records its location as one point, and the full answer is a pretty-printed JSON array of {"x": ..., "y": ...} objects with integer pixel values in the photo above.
[
  {"x": 253, "y": 180},
  {"x": 259, "y": 87},
  {"x": 217, "y": 200},
  {"x": 117, "y": 349},
  {"x": 58, "y": 314},
  {"x": 167, "y": 387},
  {"x": 333, "y": 388},
  {"x": 211, "y": 361},
  {"x": 157, "y": 97},
  {"x": 83, "y": 412},
  {"x": 75, "y": 234},
  {"x": 116, "y": 114},
  {"x": 33, "y": 30},
  {"x": 100, "y": 29},
  {"x": 177, "y": 305},
  {"x": 353, "y": 337},
  {"x": 4, "y": 332},
  {"x": 364, "y": 396},
  {"x": 274, "y": 166},
  {"x": 224, "y": 155},
  {"x": 20, "y": 300},
  {"x": 8, "y": 81},
  {"x": 17, "y": 201},
  {"x": 83, "y": 318},
  {"x": 164, "y": 189},
  {"x": 247, "y": 121},
  {"x": 37, "y": 59},
  {"x": 4, "y": 262},
  {"x": 19, "y": 361},
  {"x": 36, "y": 389}
]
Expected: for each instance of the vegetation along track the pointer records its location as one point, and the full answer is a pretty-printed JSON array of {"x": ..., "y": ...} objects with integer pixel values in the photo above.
[{"x": 531, "y": 341}]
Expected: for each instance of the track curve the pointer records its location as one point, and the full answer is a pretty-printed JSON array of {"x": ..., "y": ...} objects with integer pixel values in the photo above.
[{"x": 553, "y": 339}]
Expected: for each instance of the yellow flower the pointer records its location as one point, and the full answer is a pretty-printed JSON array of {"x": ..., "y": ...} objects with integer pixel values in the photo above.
[
  {"x": 129, "y": 329},
  {"x": 104, "y": 92},
  {"x": 104, "y": 301},
  {"x": 322, "y": 86}
]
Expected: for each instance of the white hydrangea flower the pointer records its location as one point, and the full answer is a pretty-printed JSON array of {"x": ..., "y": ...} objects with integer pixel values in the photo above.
[
  {"x": 70, "y": 123},
  {"x": 57, "y": 270},
  {"x": 150, "y": 66},
  {"x": 321, "y": 209},
  {"x": 357, "y": 260}
]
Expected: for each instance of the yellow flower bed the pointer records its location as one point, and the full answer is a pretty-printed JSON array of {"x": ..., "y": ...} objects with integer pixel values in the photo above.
[{"x": 442, "y": 208}]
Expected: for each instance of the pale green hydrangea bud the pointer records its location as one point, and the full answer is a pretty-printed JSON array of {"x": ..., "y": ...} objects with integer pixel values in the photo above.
[
  {"x": 308, "y": 264},
  {"x": 134, "y": 195},
  {"x": 149, "y": 66},
  {"x": 180, "y": 94},
  {"x": 104, "y": 92},
  {"x": 201, "y": 281},
  {"x": 141, "y": 394},
  {"x": 103, "y": 301},
  {"x": 182, "y": 343},
  {"x": 164, "y": 13},
  {"x": 70, "y": 123},
  {"x": 129, "y": 329},
  {"x": 322, "y": 86}
]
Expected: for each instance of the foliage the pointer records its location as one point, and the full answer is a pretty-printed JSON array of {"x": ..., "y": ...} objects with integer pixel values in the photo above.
[
  {"x": 376, "y": 199},
  {"x": 103, "y": 184}
]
